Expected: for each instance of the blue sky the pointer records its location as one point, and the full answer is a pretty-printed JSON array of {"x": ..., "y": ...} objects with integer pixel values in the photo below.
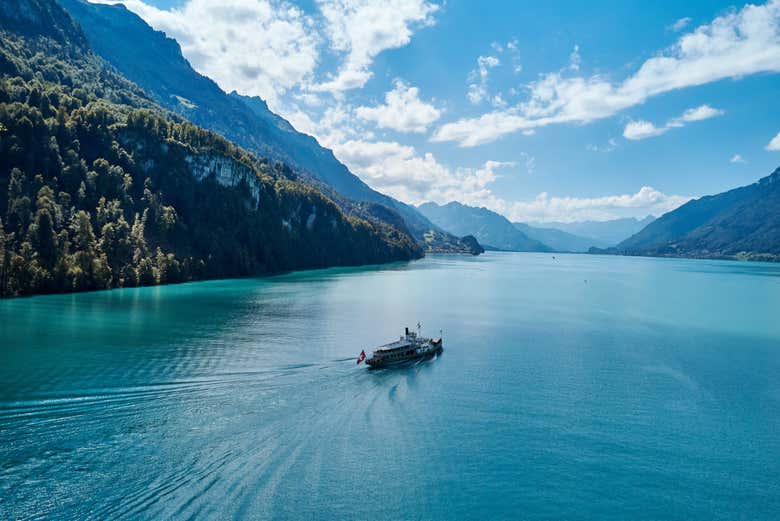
[{"x": 542, "y": 111}]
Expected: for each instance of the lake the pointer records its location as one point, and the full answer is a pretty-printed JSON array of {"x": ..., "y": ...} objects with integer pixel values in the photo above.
[{"x": 574, "y": 387}]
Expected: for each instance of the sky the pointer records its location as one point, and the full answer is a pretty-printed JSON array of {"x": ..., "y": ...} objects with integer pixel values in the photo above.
[{"x": 542, "y": 111}]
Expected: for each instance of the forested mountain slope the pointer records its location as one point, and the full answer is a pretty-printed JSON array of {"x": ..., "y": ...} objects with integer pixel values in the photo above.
[
  {"x": 102, "y": 188},
  {"x": 740, "y": 223},
  {"x": 155, "y": 62}
]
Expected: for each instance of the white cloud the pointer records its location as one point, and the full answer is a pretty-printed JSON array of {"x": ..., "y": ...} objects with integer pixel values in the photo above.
[
  {"x": 402, "y": 111},
  {"x": 301, "y": 121},
  {"x": 309, "y": 99},
  {"x": 644, "y": 129},
  {"x": 270, "y": 47},
  {"x": 736, "y": 158},
  {"x": 609, "y": 147},
  {"x": 646, "y": 201},
  {"x": 361, "y": 29},
  {"x": 335, "y": 126},
  {"x": 398, "y": 170},
  {"x": 512, "y": 51},
  {"x": 574, "y": 59},
  {"x": 680, "y": 24},
  {"x": 699, "y": 113},
  {"x": 774, "y": 145},
  {"x": 486, "y": 62},
  {"x": 221, "y": 41},
  {"x": 479, "y": 77},
  {"x": 484, "y": 129},
  {"x": 530, "y": 162},
  {"x": 734, "y": 45},
  {"x": 498, "y": 101}
]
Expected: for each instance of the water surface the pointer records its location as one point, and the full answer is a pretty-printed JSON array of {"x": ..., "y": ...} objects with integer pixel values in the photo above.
[{"x": 578, "y": 387}]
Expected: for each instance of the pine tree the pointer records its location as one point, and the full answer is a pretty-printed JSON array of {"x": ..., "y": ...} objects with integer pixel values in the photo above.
[
  {"x": 3, "y": 259},
  {"x": 81, "y": 266}
]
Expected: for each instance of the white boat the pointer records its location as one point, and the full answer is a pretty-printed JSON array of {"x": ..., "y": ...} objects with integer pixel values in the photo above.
[{"x": 411, "y": 346}]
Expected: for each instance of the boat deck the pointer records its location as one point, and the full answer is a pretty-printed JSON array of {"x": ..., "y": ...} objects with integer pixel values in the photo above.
[{"x": 392, "y": 346}]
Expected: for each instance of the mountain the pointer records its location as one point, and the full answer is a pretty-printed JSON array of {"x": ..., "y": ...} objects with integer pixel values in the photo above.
[
  {"x": 490, "y": 229},
  {"x": 103, "y": 188},
  {"x": 155, "y": 62},
  {"x": 33, "y": 18},
  {"x": 559, "y": 240},
  {"x": 742, "y": 223},
  {"x": 605, "y": 233}
]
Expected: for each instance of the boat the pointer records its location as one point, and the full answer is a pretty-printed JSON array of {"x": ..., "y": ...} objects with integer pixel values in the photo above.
[{"x": 411, "y": 346}]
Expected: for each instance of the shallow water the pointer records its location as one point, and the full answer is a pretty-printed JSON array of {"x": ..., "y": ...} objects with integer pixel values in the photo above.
[{"x": 578, "y": 387}]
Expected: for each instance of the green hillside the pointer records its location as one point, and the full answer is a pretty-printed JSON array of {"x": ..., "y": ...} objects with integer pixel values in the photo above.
[{"x": 102, "y": 188}]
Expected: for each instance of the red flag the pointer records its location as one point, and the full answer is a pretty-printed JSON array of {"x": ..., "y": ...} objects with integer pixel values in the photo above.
[{"x": 361, "y": 357}]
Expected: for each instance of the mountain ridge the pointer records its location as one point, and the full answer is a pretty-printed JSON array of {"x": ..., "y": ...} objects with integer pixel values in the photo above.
[
  {"x": 559, "y": 240},
  {"x": 490, "y": 228},
  {"x": 142, "y": 54},
  {"x": 105, "y": 189},
  {"x": 742, "y": 223},
  {"x": 608, "y": 233}
]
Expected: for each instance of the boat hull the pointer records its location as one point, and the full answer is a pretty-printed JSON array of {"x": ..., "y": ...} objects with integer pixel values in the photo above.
[{"x": 380, "y": 363}]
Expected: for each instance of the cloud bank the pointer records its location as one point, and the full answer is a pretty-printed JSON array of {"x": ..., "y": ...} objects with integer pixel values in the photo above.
[
  {"x": 402, "y": 172},
  {"x": 646, "y": 201},
  {"x": 268, "y": 47},
  {"x": 734, "y": 45},
  {"x": 220, "y": 41},
  {"x": 304, "y": 57}
]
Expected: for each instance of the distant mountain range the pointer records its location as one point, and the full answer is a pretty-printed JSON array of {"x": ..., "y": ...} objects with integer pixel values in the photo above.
[
  {"x": 743, "y": 223},
  {"x": 118, "y": 168},
  {"x": 558, "y": 240},
  {"x": 602, "y": 233},
  {"x": 492, "y": 230},
  {"x": 155, "y": 62}
]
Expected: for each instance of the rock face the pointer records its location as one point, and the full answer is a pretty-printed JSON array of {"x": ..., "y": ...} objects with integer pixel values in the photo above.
[
  {"x": 226, "y": 171},
  {"x": 743, "y": 223}
]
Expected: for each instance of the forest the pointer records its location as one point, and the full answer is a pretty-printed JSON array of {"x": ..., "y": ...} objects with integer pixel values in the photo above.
[{"x": 101, "y": 188}]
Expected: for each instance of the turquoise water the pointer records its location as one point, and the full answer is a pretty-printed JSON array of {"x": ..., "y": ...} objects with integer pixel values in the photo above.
[{"x": 579, "y": 387}]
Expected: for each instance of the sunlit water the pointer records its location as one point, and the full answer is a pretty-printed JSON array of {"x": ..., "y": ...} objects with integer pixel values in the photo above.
[{"x": 578, "y": 387}]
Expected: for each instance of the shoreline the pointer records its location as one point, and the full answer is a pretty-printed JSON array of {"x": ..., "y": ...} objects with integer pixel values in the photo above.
[
  {"x": 399, "y": 263},
  {"x": 268, "y": 275}
]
